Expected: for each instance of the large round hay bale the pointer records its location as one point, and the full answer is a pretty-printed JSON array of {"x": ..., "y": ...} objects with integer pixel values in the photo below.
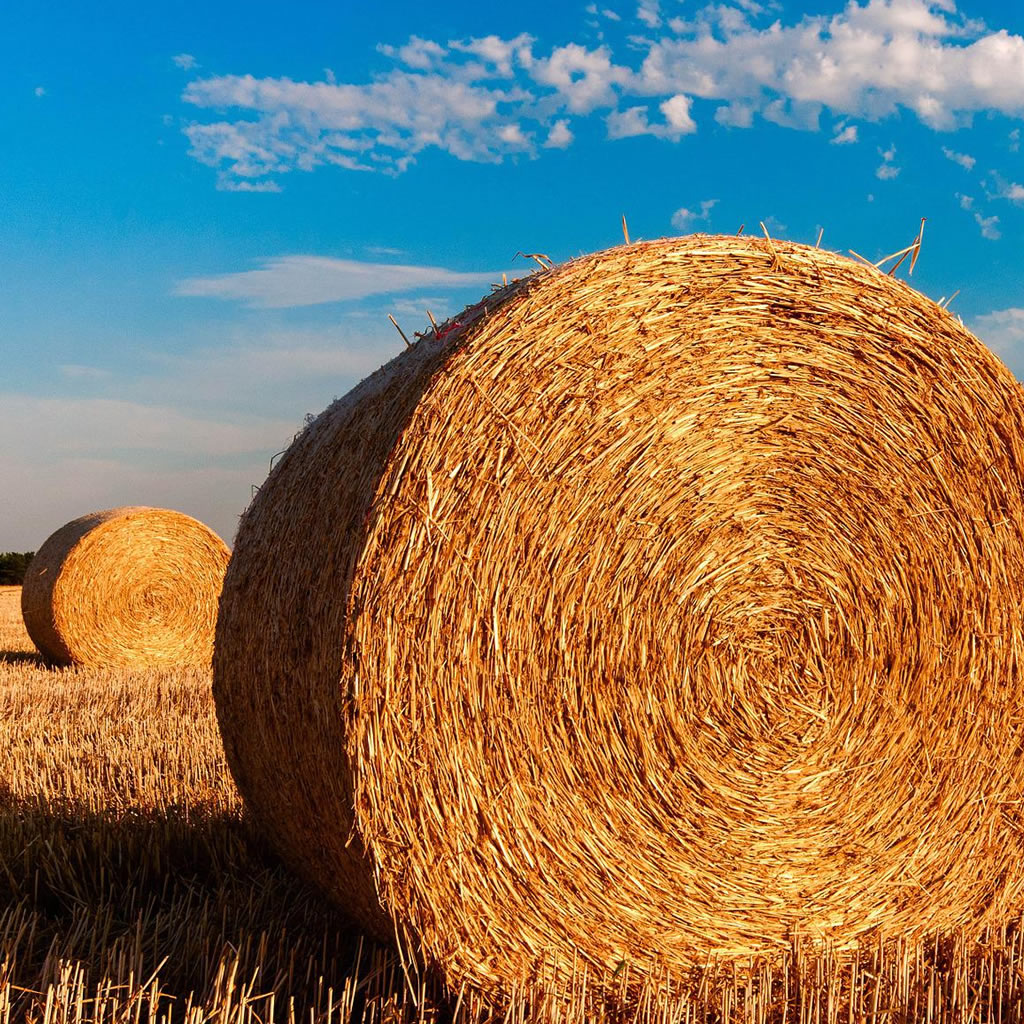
[
  {"x": 131, "y": 586},
  {"x": 665, "y": 606}
]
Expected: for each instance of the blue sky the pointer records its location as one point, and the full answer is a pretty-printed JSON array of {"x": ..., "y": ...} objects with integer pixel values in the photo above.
[{"x": 208, "y": 210}]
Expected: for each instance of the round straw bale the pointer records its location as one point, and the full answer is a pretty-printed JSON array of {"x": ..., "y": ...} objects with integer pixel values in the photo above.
[
  {"x": 665, "y": 605},
  {"x": 131, "y": 586}
]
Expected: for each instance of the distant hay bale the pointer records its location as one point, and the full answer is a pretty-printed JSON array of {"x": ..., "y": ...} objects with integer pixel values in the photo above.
[
  {"x": 130, "y": 586},
  {"x": 665, "y": 606}
]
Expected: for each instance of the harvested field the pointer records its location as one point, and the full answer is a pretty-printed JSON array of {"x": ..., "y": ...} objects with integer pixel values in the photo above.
[
  {"x": 132, "y": 890},
  {"x": 129, "y": 886}
]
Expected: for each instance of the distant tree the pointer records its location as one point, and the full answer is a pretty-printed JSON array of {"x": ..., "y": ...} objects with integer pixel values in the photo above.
[{"x": 13, "y": 565}]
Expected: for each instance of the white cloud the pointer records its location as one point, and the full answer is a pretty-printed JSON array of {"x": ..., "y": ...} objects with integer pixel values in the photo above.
[
  {"x": 677, "y": 116},
  {"x": 514, "y": 137},
  {"x": 1008, "y": 190},
  {"x": 845, "y": 135},
  {"x": 649, "y": 12},
  {"x": 422, "y": 54},
  {"x": 735, "y": 114},
  {"x": 384, "y": 250},
  {"x": 623, "y": 124},
  {"x": 966, "y": 161},
  {"x": 500, "y": 57},
  {"x": 439, "y": 305},
  {"x": 225, "y": 184},
  {"x": 684, "y": 219},
  {"x": 560, "y": 136},
  {"x": 185, "y": 61},
  {"x": 989, "y": 226},
  {"x": 1014, "y": 138},
  {"x": 868, "y": 61},
  {"x": 585, "y": 79},
  {"x": 287, "y": 281},
  {"x": 381, "y": 126},
  {"x": 282, "y": 371},
  {"x": 486, "y": 98},
  {"x": 1003, "y": 331},
  {"x": 39, "y": 92},
  {"x": 887, "y": 171}
]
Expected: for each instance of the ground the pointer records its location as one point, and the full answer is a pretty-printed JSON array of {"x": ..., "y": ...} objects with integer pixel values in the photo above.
[{"x": 132, "y": 888}]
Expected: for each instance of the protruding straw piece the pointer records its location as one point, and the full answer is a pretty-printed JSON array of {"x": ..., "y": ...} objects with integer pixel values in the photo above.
[{"x": 408, "y": 343}]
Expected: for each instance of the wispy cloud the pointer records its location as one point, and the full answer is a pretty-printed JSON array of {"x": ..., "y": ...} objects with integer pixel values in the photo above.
[
  {"x": 965, "y": 160},
  {"x": 684, "y": 219},
  {"x": 39, "y": 92},
  {"x": 846, "y": 135},
  {"x": 94, "y": 426},
  {"x": 185, "y": 61},
  {"x": 887, "y": 170},
  {"x": 1003, "y": 331},
  {"x": 242, "y": 185},
  {"x": 1007, "y": 189},
  {"x": 198, "y": 446},
  {"x": 54, "y": 488},
  {"x": 307, "y": 280},
  {"x": 988, "y": 226},
  {"x": 76, "y": 371},
  {"x": 649, "y": 12},
  {"x": 281, "y": 369},
  {"x": 560, "y": 136},
  {"x": 487, "y": 98}
]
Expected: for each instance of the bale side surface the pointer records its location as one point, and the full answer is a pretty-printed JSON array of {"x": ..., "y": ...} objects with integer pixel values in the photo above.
[
  {"x": 130, "y": 586},
  {"x": 670, "y": 610}
]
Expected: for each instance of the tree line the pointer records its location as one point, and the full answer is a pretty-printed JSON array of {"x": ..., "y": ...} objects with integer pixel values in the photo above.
[{"x": 12, "y": 567}]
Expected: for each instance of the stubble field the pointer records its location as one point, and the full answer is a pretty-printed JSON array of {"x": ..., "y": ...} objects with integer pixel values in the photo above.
[
  {"x": 132, "y": 889},
  {"x": 130, "y": 886}
]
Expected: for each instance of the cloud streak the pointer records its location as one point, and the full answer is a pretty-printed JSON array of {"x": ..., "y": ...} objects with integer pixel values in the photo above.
[
  {"x": 179, "y": 434},
  {"x": 288, "y": 281}
]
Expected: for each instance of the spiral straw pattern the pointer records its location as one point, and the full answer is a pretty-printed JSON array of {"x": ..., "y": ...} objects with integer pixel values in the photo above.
[
  {"x": 666, "y": 605},
  {"x": 130, "y": 586}
]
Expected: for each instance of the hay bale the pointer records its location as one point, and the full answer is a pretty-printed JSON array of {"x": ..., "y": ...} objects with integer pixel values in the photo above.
[
  {"x": 131, "y": 586},
  {"x": 667, "y": 607}
]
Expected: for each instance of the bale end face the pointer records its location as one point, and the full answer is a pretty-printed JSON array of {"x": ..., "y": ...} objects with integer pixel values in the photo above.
[
  {"x": 665, "y": 612},
  {"x": 131, "y": 586}
]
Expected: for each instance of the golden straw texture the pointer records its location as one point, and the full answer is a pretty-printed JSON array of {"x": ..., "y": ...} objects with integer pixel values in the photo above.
[
  {"x": 666, "y": 606},
  {"x": 130, "y": 586}
]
